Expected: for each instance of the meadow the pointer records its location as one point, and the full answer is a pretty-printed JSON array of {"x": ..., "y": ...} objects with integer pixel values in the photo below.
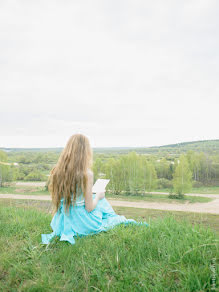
[{"x": 177, "y": 252}]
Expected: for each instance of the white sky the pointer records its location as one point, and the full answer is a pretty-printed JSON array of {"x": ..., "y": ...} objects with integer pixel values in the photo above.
[{"x": 124, "y": 73}]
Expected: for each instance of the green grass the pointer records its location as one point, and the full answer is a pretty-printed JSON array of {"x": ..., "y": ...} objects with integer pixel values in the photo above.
[
  {"x": 24, "y": 190},
  {"x": 7, "y": 190},
  {"x": 31, "y": 190},
  {"x": 201, "y": 190},
  {"x": 160, "y": 198},
  {"x": 205, "y": 219},
  {"x": 170, "y": 255},
  {"x": 205, "y": 190}
]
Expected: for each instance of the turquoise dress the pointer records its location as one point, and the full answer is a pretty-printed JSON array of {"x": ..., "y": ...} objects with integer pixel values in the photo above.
[{"x": 80, "y": 222}]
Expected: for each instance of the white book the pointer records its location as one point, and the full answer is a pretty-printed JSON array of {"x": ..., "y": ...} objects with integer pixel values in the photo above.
[{"x": 100, "y": 185}]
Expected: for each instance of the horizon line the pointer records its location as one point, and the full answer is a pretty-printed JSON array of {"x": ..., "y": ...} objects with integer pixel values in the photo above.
[{"x": 163, "y": 145}]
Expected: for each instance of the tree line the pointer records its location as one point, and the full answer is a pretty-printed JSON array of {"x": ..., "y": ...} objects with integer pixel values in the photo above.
[
  {"x": 136, "y": 174},
  {"x": 130, "y": 173}
]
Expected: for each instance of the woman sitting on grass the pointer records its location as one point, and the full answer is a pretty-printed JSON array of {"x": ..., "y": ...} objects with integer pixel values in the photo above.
[{"x": 78, "y": 212}]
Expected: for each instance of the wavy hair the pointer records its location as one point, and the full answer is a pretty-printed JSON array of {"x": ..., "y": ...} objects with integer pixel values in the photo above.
[{"x": 70, "y": 173}]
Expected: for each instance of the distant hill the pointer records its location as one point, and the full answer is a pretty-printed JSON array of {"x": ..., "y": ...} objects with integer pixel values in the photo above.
[
  {"x": 58, "y": 149},
  {"x": 206, "y": 146}
]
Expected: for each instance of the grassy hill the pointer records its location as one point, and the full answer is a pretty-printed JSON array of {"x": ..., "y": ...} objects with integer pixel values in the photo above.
[{"x": 166, "y": 256}]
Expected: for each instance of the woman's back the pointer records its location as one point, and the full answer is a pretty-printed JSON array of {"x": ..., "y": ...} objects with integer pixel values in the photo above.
[{"x": 79, "y": 199}]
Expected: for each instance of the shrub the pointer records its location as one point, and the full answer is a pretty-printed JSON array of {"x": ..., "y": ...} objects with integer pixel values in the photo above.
[
  {"x": 163, "y": 183},
  {"x": 35, "y": 176},
  {"x": 197, "y": 184}
]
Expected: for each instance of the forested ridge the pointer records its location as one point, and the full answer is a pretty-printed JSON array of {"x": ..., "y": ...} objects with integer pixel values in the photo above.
[{"x": 206, "y": 146}]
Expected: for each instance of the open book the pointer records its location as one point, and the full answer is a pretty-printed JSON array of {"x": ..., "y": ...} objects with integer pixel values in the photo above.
[{"x": 100, "y": 185}]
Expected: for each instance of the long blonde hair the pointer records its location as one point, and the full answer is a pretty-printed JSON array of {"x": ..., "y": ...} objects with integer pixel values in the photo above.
[{"x": 70, "y": 173}]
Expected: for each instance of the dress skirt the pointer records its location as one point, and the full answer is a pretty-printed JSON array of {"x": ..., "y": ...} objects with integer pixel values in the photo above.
[{"x": 80, "y": 222}]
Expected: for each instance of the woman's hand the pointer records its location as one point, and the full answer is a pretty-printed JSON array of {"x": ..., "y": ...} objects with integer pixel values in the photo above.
[{"x": 101, "y": 195}]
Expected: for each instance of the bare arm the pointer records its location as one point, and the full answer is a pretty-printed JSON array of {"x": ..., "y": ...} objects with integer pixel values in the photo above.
[{"x": 90, "y": 203}]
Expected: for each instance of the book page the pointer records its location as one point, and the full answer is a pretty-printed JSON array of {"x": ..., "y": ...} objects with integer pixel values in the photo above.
[{"x": 100, "y": 185}]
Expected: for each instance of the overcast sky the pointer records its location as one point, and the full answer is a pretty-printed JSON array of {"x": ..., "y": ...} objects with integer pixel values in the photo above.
[{"x": 124, "y": 73}]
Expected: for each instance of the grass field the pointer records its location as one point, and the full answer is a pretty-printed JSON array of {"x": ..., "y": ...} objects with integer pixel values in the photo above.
[
  {"x": 205, "y": 190},
  {"x": 160, "y": 198},
  {"x": 201, "y": 190},
  {"x": 176, "y": 253},
  {"x": 206, "y": 220},
  {"x": 24, "y": 190},
  {"x": 30, "y": 190}
]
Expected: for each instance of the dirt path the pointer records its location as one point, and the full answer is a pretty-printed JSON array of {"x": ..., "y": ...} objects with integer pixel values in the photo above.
[
  {"x": 31, "y": 184},
  {"x": 42, "y": 184},
  {"x": 210, "y": 207}
]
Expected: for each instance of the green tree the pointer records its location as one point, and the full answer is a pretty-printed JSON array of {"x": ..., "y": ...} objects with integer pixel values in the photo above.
[
  {"x": 36, "y": 176},
  {"x": 147, "y": 175},
  {"x": 132, "y": 174},
  {"x": 98, "y": 168},
  {"x": 3, "y": 156},
  {"x": 6, "y": 171},
  {"x": 182, "y": 177},
  {"x": 163, "y": 168},
  {"x": 6, "y": 174},
  {"x": 114, "y": 173},
  {"x": 152, "y": 177}
]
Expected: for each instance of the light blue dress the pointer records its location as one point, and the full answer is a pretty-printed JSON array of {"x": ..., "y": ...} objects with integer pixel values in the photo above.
[{"x": 80, "y": 222}]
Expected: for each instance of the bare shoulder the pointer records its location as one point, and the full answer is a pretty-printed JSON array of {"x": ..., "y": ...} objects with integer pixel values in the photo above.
[
  {"x": 90, "y": 173},
  {"x": 90, "y": 177}
]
